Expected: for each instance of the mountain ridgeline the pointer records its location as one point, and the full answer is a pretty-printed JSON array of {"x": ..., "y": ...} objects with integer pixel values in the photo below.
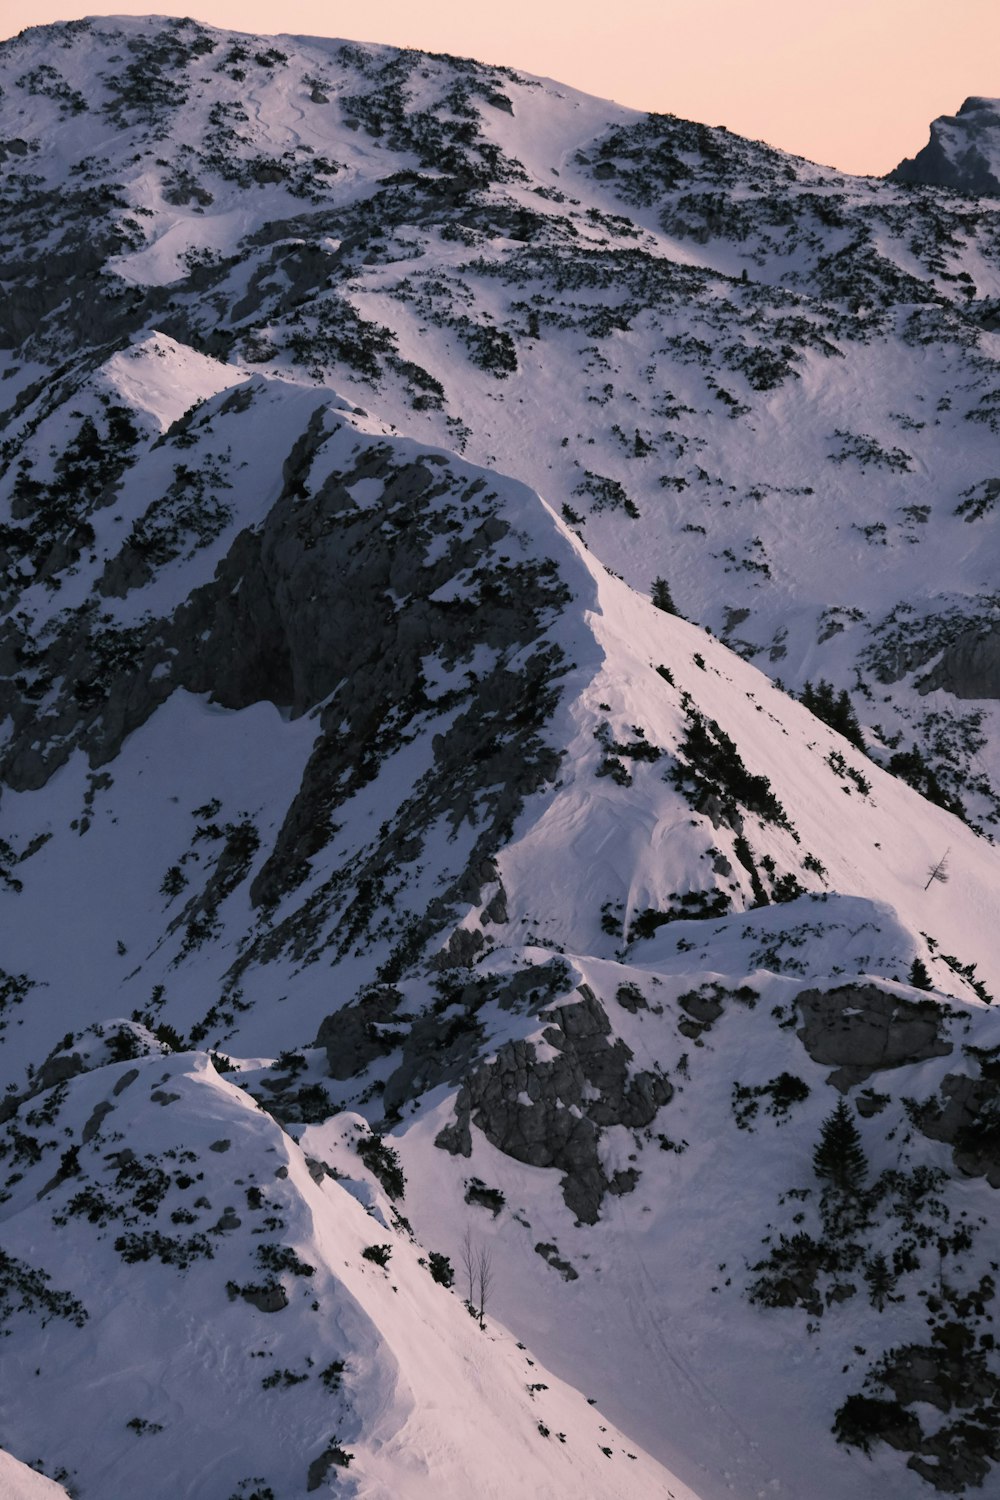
[{"x": 499, "y": 677}]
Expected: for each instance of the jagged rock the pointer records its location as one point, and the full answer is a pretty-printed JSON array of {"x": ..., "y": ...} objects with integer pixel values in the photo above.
[
  {"x": 967, "y": 1116},
  {"x": 495, "y": 909},
  {"x": 963, "y": 152},
  {"x": 320, "y": 601},
  {"x": 935, "y": 1376},
  {"x": 461, "y": 949},
  {"x": 631, "y": 998},
  {"x": 478, "y": 1193},
  {"x": 438, "y": 1047},
  {"x": 869, "y": 1103},
  {"x": 951, "y": 1473},
  {"x": 435, "y": 1050},
  {"x": 969, "y": 667},
  {"x": 551, "y": 1113},
  {"x": 861, "y": 1029},
  {"x": 351, "y": 1037}
]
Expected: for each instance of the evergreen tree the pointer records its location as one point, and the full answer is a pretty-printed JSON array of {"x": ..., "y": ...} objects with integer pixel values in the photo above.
[
  {"x": 911, "y": 767},
  {"x": 919, "y": 976},
  {"x": 662, "y": 598},
  {"x": 879, "y": 1280},
  {"x": 834, "y": 709},
  {"x": 839, "y": 1157}
]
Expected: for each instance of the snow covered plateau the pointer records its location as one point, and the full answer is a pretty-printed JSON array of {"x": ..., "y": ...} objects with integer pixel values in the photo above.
[{"x": 500, "y": 765}]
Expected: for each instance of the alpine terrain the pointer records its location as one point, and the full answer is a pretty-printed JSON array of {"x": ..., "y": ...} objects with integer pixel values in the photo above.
[{"x": 499, "y": 680}]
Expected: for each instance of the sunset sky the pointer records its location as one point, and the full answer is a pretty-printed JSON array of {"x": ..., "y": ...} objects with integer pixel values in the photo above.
[{"x": 852, "y": 83}]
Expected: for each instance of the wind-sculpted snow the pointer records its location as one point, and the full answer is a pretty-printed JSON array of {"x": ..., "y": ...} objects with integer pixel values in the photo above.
[
  {"x": 181, "y": 1205},
  {"x": 476, "y": 917}
]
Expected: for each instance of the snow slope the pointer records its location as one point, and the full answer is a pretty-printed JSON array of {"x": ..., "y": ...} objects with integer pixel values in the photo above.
[
  {"x": 187, "y": 1387},
  {"x": 380, "y": 866},
  {"x": 18, "y": 1482}
]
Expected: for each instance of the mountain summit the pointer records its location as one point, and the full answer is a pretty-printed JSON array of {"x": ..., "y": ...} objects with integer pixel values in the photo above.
[
  {"x": 963, "y": 152},
  {"x": 499, "y": 679}
]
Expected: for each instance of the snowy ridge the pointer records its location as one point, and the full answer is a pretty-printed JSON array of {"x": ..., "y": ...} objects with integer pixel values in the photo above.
[{"x": 219, "y": 1389}]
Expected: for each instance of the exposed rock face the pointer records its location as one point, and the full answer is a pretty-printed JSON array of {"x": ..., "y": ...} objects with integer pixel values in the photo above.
[
  {"x": 953, "y": 1375},
  {"x": 352, "y": 1037},
  {"x": 861, "y": 1029},
  {"x": 963, "y": 152},
  {"x": 969, "y": 667},
  {"x": 437, "y": 1047},
  {"x": 355, "y": 605},
  {"x": 967, "y": 1117},
  {"x": 551, "y": 1113}
]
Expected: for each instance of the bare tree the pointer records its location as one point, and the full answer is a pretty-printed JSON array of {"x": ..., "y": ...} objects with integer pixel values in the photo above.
[
  {"x": 939, "y": 871},
  {"x": 468, "y": 1258},
  {"x": 484, "y": 1281},
  {"x": 477, "y": 1264}
]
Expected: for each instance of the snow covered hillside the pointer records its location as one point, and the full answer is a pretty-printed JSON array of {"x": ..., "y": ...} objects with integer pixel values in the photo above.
[{"x": 498, "y": 683}]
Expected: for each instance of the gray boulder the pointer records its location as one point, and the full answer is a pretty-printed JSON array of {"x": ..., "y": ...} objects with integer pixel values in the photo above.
[{"x": 860, "y": 1029}]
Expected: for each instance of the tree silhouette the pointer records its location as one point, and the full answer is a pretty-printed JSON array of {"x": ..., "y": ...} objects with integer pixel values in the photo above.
[
  {"x": 880, "y": 1281},
  {"x": 468, "y": 1257},
  {"x": 834, "y": 709},
  {"x": 839, "y": 1157},
  {"x": 484, "y": 1282},
  {"x": 662, "y": 597},
  {"x": 939, "y": 871},
  {"x": 919, "y": 975},
  {"x": 477, "y": 1264}
]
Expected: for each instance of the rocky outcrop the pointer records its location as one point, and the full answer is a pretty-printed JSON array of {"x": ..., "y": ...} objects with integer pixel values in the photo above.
[
  {"x": 353, "y": 1037},
  {"x": 963, "y": 152},
  {"x": 966, "y": 1115},
  {"x": 969, "y": 667},
  {"x": 352, "y": 604},
  {"x": 439, "y": 1046},
  {"x": 954, "y": 1374},
  {"x": 860, "y": 1029},
  {"x": 550, "y": 1113}
]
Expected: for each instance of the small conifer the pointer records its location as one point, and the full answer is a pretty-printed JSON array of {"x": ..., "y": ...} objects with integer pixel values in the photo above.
[
  {"x": 879, "y": 1280},
  {"x": 662, "y": 597},
  {"x": 919, "y": 976},
  {"x": 839, "y": 1157}
]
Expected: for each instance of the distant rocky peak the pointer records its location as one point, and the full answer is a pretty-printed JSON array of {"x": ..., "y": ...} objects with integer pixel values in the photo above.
[{"x": 963, "y": 152}]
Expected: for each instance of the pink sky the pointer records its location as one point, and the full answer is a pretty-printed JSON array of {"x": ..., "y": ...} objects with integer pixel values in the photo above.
[{"x": 850, "y": 83}]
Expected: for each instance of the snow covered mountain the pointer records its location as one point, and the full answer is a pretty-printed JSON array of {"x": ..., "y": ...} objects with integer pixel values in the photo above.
[
  {"x": 962, "y": 153},
  {"x": 403, "y": 905}
]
